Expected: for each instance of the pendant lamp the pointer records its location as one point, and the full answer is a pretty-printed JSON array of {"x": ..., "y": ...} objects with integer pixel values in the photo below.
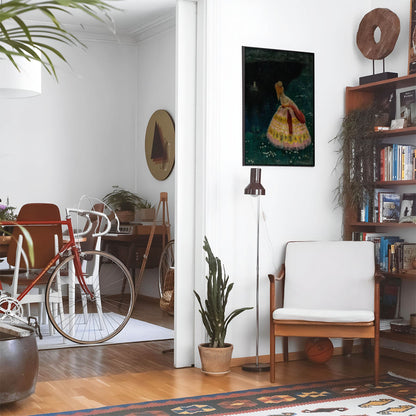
[{"x": 20, "y": 83}]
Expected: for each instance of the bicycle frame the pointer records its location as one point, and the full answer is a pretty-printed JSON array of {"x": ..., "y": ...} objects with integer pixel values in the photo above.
[{"x": 70, "y": 245}]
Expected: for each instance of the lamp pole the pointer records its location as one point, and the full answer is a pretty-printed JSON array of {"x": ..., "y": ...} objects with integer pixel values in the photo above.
[{"x": 256, "y": 189}]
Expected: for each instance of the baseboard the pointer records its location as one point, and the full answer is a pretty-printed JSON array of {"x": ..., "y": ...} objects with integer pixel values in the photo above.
[
  {"x": 405, "y": 356},
  {"x": 149, "y": 298},
  {"x": 293, "y": 356}
]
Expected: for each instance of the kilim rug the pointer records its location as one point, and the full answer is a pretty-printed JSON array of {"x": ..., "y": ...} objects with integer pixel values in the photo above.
[{"x": 348, "y": 397}]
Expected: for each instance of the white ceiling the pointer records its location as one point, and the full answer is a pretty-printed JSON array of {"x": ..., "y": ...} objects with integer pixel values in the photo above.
[
  {"x": 137, "y": 14},
  {"x": 133, "y": 16}
]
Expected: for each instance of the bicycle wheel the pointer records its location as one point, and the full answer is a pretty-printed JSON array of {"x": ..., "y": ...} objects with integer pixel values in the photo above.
[
  {"x": 84, "y": 319},
  {"x": 166, "y": 262}
]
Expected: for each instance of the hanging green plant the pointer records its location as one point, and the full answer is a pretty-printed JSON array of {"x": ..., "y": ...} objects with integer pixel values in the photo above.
[{"x": 358, "y": 157}]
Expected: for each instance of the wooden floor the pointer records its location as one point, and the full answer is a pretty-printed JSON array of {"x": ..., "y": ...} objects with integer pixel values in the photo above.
[{"x": 88, "y": 377}]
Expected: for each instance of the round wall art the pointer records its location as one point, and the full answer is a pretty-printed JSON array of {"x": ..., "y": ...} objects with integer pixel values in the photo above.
[{"x": 160, "y": 144}]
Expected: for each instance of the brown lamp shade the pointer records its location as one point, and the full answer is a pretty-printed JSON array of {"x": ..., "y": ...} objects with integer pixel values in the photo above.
[{"x": 255, "y": 187}]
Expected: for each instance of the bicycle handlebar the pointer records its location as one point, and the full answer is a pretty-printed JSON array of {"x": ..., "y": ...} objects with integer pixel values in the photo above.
[{"x": 87, "y": 214}]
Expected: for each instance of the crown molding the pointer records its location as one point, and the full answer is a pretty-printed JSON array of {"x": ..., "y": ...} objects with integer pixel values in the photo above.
[
  {"x": 154, "y": 28},
  {"x": 108, "y": 33}
]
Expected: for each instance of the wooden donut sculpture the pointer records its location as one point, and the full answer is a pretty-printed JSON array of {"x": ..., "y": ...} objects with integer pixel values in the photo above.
[{"x": 389, "y": 25}]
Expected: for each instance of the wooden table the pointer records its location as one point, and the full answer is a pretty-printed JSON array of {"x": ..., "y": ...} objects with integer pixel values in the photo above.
[{"x": 131, "y": 248}]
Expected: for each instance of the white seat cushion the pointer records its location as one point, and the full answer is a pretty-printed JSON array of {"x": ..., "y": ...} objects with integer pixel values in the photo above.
[{"x": 323, "y": 315}]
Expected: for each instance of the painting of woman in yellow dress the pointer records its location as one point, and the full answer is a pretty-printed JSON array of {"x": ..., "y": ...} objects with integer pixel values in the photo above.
[
  {"x": 287, "y": 129},
  {"x": 278, "y": 107}
]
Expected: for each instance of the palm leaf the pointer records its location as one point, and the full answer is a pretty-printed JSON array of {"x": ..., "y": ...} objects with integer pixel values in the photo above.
[{"x": 18, "y": 38}]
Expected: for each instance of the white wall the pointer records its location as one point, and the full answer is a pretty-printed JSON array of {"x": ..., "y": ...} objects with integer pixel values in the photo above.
[
  {"x": 92, "y": 121},
  {"x": 299, "y": 201},
  {"x": 78, "y": 136},
  {"x": 155, "y": 91}
]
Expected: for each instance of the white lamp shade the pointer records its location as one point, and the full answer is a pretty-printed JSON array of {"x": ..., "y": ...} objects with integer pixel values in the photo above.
[{"x": 20, "y": 84}]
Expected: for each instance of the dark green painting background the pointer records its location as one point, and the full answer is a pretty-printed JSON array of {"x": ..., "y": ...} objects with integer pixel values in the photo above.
[{"x": 262, "y": 68}]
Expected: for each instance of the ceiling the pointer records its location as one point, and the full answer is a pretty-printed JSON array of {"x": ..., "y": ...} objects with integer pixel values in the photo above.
[
  {"x": 138, "y": 14},
  {"x": 131, "y": 16}
]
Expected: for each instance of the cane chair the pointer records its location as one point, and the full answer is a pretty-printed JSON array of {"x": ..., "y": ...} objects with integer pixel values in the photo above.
[
  {"x": 330, "y": 290},
  {"x": 46, "y": 241}
]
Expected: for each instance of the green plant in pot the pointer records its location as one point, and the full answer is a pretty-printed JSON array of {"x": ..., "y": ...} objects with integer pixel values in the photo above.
[
  {"x": 216, "y": 355},
  {"x": 123, "y": 202},
  {"x": 145, "y": 211}
]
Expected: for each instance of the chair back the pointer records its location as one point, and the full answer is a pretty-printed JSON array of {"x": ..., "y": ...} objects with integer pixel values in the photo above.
[
  {"x": 334, "y": 275},
  {"x": 43, "y": 236}
]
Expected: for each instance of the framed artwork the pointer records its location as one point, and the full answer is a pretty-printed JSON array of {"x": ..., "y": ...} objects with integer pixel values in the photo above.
[
  {"x": 278, "y": 107},
  {"x": 412, "y": 38},
  {"x": 406, "y": 106},
  {"x": 160, "y": 144}
]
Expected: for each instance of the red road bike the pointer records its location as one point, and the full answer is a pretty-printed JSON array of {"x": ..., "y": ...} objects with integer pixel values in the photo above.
[{"x": 89, "y": 295}]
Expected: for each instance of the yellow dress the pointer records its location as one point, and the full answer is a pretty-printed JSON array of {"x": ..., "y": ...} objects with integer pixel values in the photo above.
[{"x": 287, "y": 129}]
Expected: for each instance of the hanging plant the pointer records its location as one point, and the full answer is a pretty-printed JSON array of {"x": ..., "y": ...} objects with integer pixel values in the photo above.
[{"x": 358, "y": 156}]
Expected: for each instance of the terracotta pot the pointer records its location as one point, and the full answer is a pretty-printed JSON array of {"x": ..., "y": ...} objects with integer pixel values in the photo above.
[
  {"x": 125, "y": 216},
  {"x": 146, "y": 214},
  {"x": 215, "y": 361}
]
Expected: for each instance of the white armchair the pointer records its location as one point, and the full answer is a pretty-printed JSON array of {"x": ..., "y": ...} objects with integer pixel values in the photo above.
[{"x": 330, "y": 289}]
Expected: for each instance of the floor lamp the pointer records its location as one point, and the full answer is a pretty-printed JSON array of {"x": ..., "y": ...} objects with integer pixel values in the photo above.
[{"x": 256, "y": 189}]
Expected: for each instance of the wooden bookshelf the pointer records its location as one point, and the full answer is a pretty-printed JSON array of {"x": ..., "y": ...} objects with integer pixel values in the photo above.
[{"x": 361, "y": 97}]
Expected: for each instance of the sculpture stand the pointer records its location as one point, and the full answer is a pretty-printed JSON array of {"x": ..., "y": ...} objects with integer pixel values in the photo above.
[{"x": 378, "y": 77}]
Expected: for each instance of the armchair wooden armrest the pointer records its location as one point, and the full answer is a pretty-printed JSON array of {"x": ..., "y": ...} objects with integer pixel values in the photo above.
[{"x": 273, "y": 278}]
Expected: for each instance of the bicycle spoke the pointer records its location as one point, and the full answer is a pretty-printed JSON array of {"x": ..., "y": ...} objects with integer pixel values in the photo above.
[{"x": 79, "y": 317}]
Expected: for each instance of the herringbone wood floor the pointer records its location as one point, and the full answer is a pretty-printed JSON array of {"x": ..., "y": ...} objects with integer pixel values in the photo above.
[{"x": 79, "y": 378}]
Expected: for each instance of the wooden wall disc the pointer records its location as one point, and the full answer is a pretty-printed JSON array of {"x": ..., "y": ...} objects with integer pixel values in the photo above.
[
  {"x": 389, "y": 25},
  {"x": 160, "y": 144}
]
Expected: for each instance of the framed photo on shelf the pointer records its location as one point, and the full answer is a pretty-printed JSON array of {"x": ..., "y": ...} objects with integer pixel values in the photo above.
[
  {"x": 406, "y": 105},
  {"x": 408, "y": 208},
  {"x": 412, "y": 38},
  {"x": 278, "y": 107}
]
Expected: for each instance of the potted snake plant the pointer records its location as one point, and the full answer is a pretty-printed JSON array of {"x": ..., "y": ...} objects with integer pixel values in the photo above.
[{"x": 216, "y": 354}]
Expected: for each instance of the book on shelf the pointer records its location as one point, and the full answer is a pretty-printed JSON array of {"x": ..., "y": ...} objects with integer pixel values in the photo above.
[
  {"x": 408, "y": 208},
  {"x": 397, "y": 162},
  {"x": 388, "y": 259},
  {"x": 408, "y": 107},
  {"x": 401, "y": 255},
  {"x": 389, "y": 207},
  {"x": 408, "y": 256}
]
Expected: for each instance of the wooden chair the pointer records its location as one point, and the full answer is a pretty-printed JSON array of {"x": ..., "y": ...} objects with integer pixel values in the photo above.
[
  {"x": 46, "y": 241},
  {"x": 330, "y": 289}
]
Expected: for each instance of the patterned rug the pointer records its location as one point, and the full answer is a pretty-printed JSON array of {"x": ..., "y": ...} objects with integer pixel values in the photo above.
[{"x": 348, "y": 397}]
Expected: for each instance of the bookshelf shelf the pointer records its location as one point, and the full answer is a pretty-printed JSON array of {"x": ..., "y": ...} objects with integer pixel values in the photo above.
[
  {"x": 361, "y": 97},
  {"x": 381, "y": 184},
  {"x": 402, "y": 275},
  {"x": 383, "y": 224},
  {"x": 408, "y": 131}
]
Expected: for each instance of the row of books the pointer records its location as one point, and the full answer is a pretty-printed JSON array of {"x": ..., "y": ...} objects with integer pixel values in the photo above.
[
  {"x": 392, "y": 253},
  {"x": 389, "y": 206},
  {"x": 397, "y": 162}
]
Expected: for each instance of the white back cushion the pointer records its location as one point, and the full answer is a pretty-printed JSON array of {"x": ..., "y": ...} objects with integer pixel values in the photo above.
[{"x": 335, "y": 275}]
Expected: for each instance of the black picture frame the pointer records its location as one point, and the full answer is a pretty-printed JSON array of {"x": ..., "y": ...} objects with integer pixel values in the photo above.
[
  {"x": 277, "y": 133},
  {"x": 412, "y": 38}
]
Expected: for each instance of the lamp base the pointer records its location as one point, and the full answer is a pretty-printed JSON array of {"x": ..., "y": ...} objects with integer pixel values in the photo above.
[{"x": 254, "y": 367}]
